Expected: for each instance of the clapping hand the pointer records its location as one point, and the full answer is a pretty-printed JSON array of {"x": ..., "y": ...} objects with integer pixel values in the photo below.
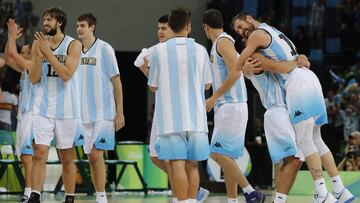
[{"x": 13, "y": 31}]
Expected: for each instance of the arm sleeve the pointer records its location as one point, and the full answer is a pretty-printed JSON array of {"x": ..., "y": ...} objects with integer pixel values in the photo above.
[{"x": 109, "y": 61}]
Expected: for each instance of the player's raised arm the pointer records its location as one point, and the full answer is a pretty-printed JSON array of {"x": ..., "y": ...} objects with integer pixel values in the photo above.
[
  {"x": 18, "y": 61},
  {"x": 36, "y": 60},
  {"x": 13, "y": 58}
]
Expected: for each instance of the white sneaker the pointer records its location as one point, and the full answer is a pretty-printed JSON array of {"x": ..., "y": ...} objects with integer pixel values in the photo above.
[
  {"x": 345, "y": 196},
  {"x": 327, "y": 199},
  {"x": 202, "y": 194}
]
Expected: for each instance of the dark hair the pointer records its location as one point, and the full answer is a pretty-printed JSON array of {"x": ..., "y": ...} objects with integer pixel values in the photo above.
[
  {"x": 164, "y": 19},
  {"x": 240, "y": 16},
  {"x": 213, "y": 18},
  {"x": 89, "y": 18},
  {"x": 58, "y": 14},
  {"x": 179, "y": 18}
]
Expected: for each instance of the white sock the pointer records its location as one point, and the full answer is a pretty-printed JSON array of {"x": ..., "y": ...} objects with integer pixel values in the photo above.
[
  {"x": 27, "y": 191},
  {"x": 280, "y": 197},
  {"x": 174, "y": 200},
  {"x": 183, "y": 201},
  {"x": 338, "y": 185},
  {"x": 191, "y": 200},
  {"x": 233, "y": 200},
  {"x": 320, "y": 187},
  {"x": 101, "y": 197},
  {"x": 248, "y": 189}
]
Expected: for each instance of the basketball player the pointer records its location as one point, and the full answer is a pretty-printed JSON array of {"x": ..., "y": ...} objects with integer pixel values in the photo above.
[
  {"x": 164, "y": 33},
  {"x": 142, "y": 62},
  {"x": 279, "y": 131},
  {"x": 21, "y": 63},
  {"x": 304, "y": 100},
  {"x": 180, "y": 104},
  {"x": 102, "y": 105},
  {"x": 56, "y": 112},
  {"x": 229, "y": 99}
]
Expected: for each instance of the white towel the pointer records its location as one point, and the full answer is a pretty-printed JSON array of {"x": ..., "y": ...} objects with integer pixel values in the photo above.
[{"x": 140, "y": 60}]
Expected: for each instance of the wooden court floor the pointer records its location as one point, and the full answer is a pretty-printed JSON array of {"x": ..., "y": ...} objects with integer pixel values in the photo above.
[{"x": 160, "y": 198}]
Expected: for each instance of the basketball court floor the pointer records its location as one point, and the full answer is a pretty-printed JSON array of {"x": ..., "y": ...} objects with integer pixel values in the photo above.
[{"x": 160, "y": 198}]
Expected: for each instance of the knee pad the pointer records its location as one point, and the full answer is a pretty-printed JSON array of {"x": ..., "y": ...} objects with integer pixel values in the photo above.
[
  {"x": 319, "y": 142},
  {"x": 304, "y": 137}
]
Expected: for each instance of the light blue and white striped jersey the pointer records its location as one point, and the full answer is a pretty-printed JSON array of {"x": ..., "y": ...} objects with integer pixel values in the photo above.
[
  {"x": 180, "y": 68},
  {"x": 98, "y": 65},
  {"x": 26, "y": 97},
  {"x": 237, "y": 93},
  {"x": 55, "y": 98},
  {"x": 280, "y": 49},
  {"x": 270, "y": 91}
]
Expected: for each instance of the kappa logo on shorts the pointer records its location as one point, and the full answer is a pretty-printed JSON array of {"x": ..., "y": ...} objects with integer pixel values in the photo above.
[
  {"x": 298, "y": 113},
  {"x": 27, "y": 147},
  {"x": 81, "y": 137},
  {"x": 217, "y": 145},
  {"x": 102, "y": 141}
]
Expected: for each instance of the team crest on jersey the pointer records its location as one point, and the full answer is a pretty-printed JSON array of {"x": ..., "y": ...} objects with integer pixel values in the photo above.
[
  {"x": 60, "y": 58},
  {"x": 88, "y": 61}
]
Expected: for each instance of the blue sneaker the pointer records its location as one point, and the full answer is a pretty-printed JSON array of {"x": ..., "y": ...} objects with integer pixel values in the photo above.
[
  {"x": 254, "y": 197},
  {"x": 202, "y": 194}
]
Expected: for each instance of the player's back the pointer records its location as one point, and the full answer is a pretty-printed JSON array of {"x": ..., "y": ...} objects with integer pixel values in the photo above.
[
  {"x": 56, "y": 98},
  {"x": 183, "y": 70}
]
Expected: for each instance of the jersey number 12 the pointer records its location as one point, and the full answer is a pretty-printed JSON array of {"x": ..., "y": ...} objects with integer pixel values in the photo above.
[{"x": 51, "y": 73}]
